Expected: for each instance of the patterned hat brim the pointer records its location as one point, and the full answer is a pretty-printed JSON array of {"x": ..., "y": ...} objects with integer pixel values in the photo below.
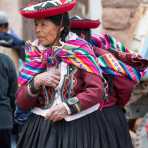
[
  {"x": 84, "y": 24},
  {"x": 52, "y": 11}
]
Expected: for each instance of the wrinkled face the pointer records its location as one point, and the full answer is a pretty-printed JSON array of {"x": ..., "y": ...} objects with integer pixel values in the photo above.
[{"x": 46, "y": 31}]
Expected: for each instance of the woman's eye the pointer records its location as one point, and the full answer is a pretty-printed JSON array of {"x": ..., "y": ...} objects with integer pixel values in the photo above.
[
  {"x": 40, "y": 24},
  {"x": 35, "y": 24},
  {"x": 43, "y": 24}
]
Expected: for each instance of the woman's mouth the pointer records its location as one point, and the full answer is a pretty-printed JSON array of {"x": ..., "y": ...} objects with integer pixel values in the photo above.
[{"x": 40, "y": 39}]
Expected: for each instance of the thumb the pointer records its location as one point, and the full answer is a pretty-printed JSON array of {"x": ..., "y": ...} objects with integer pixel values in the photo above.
[{"x": 49, "y": 112}]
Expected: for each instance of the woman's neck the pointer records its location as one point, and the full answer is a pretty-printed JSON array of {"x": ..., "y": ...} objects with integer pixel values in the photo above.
[{"x": 57, "y": 43}]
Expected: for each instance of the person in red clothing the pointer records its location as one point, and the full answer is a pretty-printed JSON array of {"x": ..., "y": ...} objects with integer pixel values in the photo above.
[
  {"x": 106, "y": 44},
  {"x": 62, "y": 86}
]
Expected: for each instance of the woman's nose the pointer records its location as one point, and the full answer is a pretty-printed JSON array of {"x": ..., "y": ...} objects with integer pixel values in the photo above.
[{"x": 38, "y": 28}]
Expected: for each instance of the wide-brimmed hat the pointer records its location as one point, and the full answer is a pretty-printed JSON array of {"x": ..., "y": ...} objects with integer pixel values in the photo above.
[
  {"x": 47, "y": 8},
  {"x": 77, "y": 22}
]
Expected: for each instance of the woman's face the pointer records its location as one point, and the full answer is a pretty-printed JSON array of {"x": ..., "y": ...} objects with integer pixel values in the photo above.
[{"x": 46, "y": 31}]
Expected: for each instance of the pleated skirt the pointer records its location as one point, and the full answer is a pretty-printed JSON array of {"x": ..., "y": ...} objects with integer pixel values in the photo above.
[{"x": 101, "y": 129}]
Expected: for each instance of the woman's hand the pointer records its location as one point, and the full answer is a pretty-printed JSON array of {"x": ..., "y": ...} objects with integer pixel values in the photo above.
[
  {"x": 50, "y": 78},
  {"x": 57, "y": 113}
]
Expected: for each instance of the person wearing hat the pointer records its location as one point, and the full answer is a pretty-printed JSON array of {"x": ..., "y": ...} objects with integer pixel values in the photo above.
[
  {"x": 105, "y": 45},
  {"x": 82, "y": 26},
  {"x": 8, "y": 38},
  {"x": 62, "y": 86}
]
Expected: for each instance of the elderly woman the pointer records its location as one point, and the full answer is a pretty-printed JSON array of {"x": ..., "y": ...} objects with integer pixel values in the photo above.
[{"x": 62, "y": 86}]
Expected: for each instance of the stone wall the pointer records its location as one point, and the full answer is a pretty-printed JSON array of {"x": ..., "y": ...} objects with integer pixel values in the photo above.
[{"x": 120, "y": 17}]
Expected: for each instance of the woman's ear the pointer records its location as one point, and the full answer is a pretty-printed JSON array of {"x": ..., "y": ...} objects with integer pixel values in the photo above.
[{"x": 61, "y": 29}]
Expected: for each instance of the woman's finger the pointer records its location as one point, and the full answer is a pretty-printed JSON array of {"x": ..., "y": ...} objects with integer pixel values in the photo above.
[
  {"x": 51, "y": 81},
  {"x": 56, "y": 116},
  {"x": 57, "y": 119},
  {"x": 49, "y": 113},
  {"x": 56, "y": 77}
]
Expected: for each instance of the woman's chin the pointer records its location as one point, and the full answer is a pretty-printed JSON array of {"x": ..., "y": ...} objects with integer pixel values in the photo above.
[{"x": 43, "y": 43}]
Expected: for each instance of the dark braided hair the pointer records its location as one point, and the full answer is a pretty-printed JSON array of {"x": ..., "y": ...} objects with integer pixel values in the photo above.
[{"x": 86, "y": 32}]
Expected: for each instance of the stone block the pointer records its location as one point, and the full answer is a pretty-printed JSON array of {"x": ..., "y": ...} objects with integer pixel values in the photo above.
[
  {"x": 120, "y": 3},
  {"x": 116, "y": 19}
]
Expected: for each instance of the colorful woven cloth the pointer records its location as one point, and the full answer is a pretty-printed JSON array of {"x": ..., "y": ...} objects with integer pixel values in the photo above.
[
  {"x": 76, "y": 52},
  {"x": 108, "y": 42},
  {"x": 111, "y": 65},
  {"x": 111, "y": 62}
]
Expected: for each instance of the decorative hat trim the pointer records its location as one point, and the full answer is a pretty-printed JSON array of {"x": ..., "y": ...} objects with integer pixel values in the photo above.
[{"x": 47, "y": 9}]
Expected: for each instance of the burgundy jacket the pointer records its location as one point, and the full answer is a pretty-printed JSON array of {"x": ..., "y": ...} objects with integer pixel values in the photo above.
[{"x": 86, "y": 87}]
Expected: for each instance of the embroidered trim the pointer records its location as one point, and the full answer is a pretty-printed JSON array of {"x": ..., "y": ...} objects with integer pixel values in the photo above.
[
  {"x": 67, "y": 108},
  {"x": 69, "y": 77},
  {"x": 73, "y": 104}
]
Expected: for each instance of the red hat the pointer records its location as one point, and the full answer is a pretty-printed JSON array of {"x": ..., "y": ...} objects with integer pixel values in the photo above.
[
  {"x": 47, "y": 8},
  {"x": 77, "y": 22}
]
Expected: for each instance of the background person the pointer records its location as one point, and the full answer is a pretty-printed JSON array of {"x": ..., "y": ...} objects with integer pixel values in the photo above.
[{"x": 8, "y": 79}]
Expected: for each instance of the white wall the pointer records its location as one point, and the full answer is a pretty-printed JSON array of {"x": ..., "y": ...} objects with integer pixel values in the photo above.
[{"x": 95, "y": 12}]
